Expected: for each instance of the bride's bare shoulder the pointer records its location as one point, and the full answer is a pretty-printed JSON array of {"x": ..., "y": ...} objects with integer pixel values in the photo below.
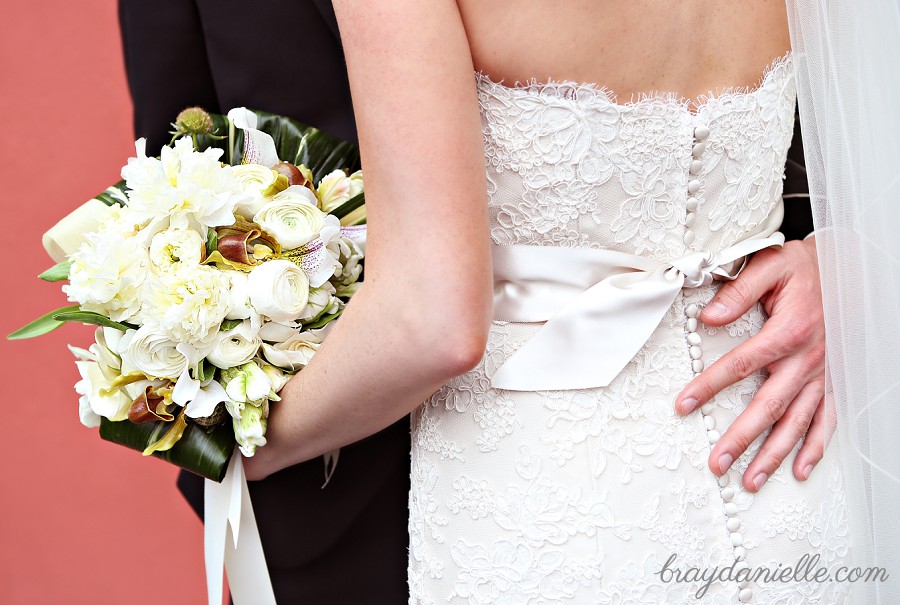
[{"x": 628, "y": 46}]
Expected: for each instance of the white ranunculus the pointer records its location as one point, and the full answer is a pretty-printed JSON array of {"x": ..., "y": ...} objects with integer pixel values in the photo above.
[
  {"x": 295, "y": 352},
  {"x": 336, "y": 188},
  {"x": 279, "y": 289},
  {"x": 185, "y": 185},
  {"x": 239, "y": 306},
  {"x": 187, "y": 302},
  {"x": 235, "y": 347},
  {"x": 293, "y": 218},
  {"x": 108, "y": 273},
  {"x": 250, "y": 430},
  {"x": 272, "y": 331},
  {"x": 171, "y": 246},
  {"x": 259, "y": 183},
  {"x": 150, "y": 351},
  {"x": 322, "y": 301}
]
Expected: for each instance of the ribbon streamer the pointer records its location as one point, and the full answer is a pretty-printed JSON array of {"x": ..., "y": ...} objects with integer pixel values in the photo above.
[
  {"x": 600, "y": 306},
  {"x": 228, "y": 511}
]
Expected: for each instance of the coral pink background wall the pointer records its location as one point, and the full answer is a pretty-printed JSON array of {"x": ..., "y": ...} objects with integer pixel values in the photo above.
[{"x": 81, "y": 520}]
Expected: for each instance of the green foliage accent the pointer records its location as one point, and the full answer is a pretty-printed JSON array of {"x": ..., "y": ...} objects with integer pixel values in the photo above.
[
  {"x": 95, "y": 319},
  {"x": 41, "y": 325},
  {"x": 58, "y": 272}
]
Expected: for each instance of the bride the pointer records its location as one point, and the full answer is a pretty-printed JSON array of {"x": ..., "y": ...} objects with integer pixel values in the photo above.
[{"x": 547, "y": 232}]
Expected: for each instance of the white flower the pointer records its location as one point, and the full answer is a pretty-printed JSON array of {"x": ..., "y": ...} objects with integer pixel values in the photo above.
[
  {"x": 336, "y": 188},
  {"x": 239, "y": 306},
  {"x": 259, "y": 147},
  {"x": 279, "y": 289},
  {"x": 150, "y": 351},
  {"x": 276, "y": 376},
  {"x": 107, "y": 273},
  {"x": 294, "y": 220},
  {"x": 250, "y": 430},
  {"x": 322, "y": 301},
  {"x": 187, "y": 302},
  {"x": 348, "y": 254},
  {"x": 247, "y": 384},
  {"x": 234, "y": 347},
  {"x": 295, "y": 352},
  {"x": 184, "y": 185},
  {"x": 258, "y": 183},
  {"x": 171, "y": 246}
]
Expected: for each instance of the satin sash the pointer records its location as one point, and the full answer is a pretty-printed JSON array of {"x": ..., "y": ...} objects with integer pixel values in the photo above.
[{"x": 600, "y": 306}]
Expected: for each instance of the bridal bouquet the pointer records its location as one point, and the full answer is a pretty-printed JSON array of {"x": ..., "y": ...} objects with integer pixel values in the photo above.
[{"x": 211, "y": 283}]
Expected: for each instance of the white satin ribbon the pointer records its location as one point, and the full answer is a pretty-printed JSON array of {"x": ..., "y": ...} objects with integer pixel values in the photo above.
[
  {"x": 600, "y": 306},
  {"x": 227, "y": 511}
]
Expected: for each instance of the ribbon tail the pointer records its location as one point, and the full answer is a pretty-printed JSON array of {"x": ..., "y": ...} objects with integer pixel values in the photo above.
[
  {"x": 597, "y": 334},
  {"x": 229, "y": 510}
]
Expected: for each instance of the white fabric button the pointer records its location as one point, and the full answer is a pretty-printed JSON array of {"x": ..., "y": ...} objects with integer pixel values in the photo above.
[
  {"x": 701, "y": 132},
  {"x": 688, "y": 237},
  {"x": 724, "y": 480},
  {"x": 745, "y": 584},
  {"x": 710, "y": 422},
  {"x": 690, "y": 219},
  {"x": 730, "y": 509},
  {"x": 696, "y": 165},
  {"x": 693, "y": 186},
  {"x": 713, "y": 436},
  {"x": 728, "y": 494},
  {"x": 745, "y": 596},
  {"x": 698, "y": 149},
  {"x": 692, "y": 324},
  {"x": 707, "y": 408},
  {"x": 737, "y": 538},
  {"x": 733, "y": 524},
  {"x": 692, "y": 310},
  {"x": 697, "y": 365},
  {"x": 691, "y": 204},
  {"x": 696, "y": 352},
  {"x": 693, "y": 338},
  {"x": 739, "y": 553}
]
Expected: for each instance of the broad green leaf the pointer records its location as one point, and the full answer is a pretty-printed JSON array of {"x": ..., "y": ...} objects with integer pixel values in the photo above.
[
  {"x": 95, "y": 319},
  {"x": 322, "y": 321},
  {"x": 202, "y": 451},
  {"x": 42, "y": 325},
  {"x": 58, "y": 272},
  {"x": 349, "y": 206}
]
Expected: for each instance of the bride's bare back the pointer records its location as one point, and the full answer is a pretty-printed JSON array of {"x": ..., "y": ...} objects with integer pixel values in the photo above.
[{"x": 690, "y": 47}]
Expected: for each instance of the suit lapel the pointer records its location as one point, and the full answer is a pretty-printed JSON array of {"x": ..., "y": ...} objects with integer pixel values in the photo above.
[{"x": 327, "y": 12}]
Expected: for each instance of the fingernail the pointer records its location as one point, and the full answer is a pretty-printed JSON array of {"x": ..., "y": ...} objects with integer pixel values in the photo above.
[
  {"x": 807, "y": 471},
  {"x": 759, "y": 480},
  {"x": 715, "y": 309},
  {"x": 725, "y": 461},
  {"x": 688, "y": 405}
]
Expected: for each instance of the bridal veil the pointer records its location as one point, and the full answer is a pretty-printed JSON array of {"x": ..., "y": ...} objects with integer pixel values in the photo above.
[{"x": 848, "y": 85}]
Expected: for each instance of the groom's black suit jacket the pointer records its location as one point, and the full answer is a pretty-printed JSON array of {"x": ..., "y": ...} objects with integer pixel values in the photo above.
[{"x": 346, "y": 543}]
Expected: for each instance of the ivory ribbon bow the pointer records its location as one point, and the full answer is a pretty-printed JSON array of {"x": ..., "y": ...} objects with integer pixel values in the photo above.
[
  {"x": 600, "y": 306},
  {"x": 227, "y": 511}
]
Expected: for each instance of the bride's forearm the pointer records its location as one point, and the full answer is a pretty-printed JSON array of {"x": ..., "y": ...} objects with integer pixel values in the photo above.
[{"x": 382, "y": 359}]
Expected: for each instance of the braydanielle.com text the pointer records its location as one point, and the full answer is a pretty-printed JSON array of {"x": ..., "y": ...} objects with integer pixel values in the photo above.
[{"x": 806, "y": 569}]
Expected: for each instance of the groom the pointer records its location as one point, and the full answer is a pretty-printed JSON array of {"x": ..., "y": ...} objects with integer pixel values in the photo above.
[{"x": 346, "y": 543}]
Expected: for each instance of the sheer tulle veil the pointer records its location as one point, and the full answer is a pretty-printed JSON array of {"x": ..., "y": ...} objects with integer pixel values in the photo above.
[{"x": 846, "y": 59}]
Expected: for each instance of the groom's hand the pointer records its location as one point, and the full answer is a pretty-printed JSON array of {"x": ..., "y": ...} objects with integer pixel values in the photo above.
[{"x": 791, "y": 345}]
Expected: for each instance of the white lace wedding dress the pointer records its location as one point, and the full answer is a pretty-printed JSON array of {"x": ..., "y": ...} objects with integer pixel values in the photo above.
[{"x": 580, "y": 496}]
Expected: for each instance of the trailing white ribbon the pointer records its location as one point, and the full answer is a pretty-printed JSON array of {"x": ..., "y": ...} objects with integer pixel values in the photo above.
[
  {"x": 600, "y": 306},
  {"x": 227, "y": 511}
]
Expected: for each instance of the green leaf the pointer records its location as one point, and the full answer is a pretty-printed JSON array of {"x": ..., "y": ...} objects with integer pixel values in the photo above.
[
  {"x": 41, "y": 325},
  {"x": 58, "y": 272},
  {"x": 322, "y": 321},
  {"x": 205, "y": 370},
  {"x": 107, "y": 198},
  {"x": 230, "y": 324},
  {"x": 349, "y": 206},
  {"x": 202, "y": 451},
  {"x": 89, "y": 317},
  {"x": 212, "y": 241}
]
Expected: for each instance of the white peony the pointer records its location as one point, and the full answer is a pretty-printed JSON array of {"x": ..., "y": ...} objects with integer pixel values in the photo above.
[
  {"x": 108, "y": 272},
  {"x": 187, "y": 303},
  {"x": 234, "y": 347},
  {"x": 293, "y": 218},
  {"x": 279, "y": 289},
  {"x": 187, "y": 186},
  {"x": 295, "y": 352},
  {"x": 337, "y": 188},
  {"x": 171, "y": 246}
]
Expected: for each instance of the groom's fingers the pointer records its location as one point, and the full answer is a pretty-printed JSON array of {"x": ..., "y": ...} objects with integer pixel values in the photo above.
[
  {"x": 764, "y": 270},
  {"x": 823, "y": 425},
  {"x": 785, "y": 435}
]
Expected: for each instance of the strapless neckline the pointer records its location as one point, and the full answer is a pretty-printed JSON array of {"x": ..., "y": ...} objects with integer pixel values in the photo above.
[{"x": 594, "y": 93}]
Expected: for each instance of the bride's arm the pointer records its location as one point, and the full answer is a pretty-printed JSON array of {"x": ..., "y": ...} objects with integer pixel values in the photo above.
[{"x": 423, "y": 314}]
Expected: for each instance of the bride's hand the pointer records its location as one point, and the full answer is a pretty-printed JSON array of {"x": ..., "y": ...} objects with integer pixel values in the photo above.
[{"x": 791, "y": 345}]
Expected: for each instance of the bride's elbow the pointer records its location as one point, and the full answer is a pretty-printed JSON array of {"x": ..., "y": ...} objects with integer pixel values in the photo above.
[
  {"x": 463, "y": 351},
  {"x": 453, "y": 342}
]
